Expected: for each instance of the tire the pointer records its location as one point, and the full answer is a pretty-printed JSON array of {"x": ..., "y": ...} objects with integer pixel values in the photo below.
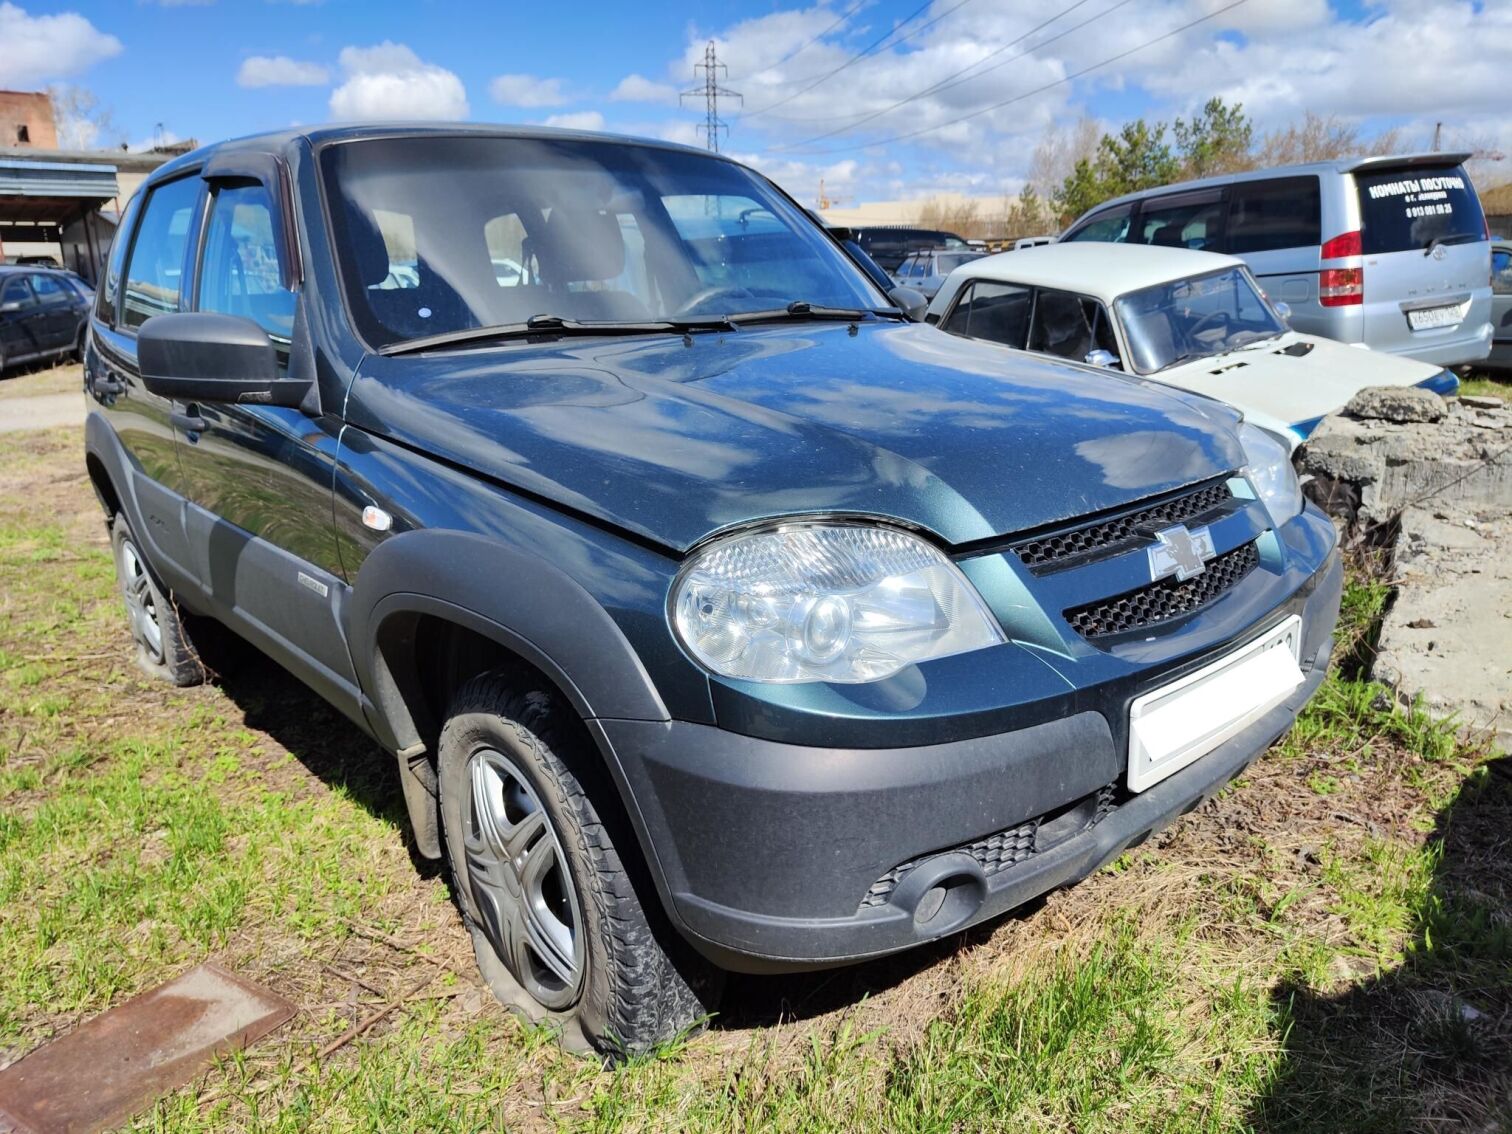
[
  {"x": 76, "y": 352},
  {"x": 164, "y": 648},
  {"x": 619, "y": 981}
]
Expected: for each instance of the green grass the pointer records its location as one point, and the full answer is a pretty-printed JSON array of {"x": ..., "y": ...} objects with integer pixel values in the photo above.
[
  {"x": 1294, "y": 956},
  {"x": 1486, "y": 386}
]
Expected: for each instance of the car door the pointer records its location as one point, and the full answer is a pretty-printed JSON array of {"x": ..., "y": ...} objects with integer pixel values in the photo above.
[
  {"x": 145, "y": 278},
  {"x": 258, "y": 478},
  {"x": 21, "y": 320},
  {"x": 59, "y": 321}
]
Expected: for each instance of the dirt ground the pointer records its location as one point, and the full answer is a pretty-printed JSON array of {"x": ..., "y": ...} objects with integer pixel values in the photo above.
[{"x": 1327, "y": 945}]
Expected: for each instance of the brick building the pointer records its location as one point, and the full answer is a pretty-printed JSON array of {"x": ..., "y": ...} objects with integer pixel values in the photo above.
[{"x": 26, "y": 120}]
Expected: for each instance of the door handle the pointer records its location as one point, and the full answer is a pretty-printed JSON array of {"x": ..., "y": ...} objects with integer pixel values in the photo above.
[
  {"x": 108, "y": 386},
  {"x": 189, "y": 421}
]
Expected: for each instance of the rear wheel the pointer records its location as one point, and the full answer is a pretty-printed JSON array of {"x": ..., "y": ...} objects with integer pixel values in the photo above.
[
  {"x": 163, "y": 646},
  {"x": 557, "y": 917}
]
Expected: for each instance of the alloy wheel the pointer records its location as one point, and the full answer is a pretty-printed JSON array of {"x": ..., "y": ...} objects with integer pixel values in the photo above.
[
  {"x": 520, "y": 881},
  {"x": 141, "y": 605}
]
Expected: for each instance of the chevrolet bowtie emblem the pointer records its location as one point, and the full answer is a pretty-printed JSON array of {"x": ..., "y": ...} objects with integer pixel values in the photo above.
[{"x": 1181, "y": 553}]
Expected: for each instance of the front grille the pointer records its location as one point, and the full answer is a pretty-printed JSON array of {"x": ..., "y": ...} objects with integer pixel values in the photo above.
[
  {"x": 1163, "y": 600},
  {"x": 1056, "y": 549},
  {"x": 997, "y": 852}
]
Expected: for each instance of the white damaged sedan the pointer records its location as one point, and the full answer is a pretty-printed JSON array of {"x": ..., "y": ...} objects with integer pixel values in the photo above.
[{"x": 1195, "y": 320}]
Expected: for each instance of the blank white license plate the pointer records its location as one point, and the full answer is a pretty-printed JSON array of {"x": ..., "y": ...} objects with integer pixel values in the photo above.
[
  {"x": 1426, "y": 318},
  {"x": 1174, "y": 725}
]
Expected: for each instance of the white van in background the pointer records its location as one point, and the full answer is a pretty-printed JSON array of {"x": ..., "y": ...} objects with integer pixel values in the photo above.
[{"x": 1392, "y": 253}]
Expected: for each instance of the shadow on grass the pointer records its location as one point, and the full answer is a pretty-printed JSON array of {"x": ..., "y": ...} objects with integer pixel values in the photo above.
[
  {"x": 332, "y": 748},
  {"x": 1427, "y": 1046}
]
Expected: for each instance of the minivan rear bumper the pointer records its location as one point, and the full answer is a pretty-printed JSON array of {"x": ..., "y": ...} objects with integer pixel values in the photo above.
[{"x": 1457, "y": 351}]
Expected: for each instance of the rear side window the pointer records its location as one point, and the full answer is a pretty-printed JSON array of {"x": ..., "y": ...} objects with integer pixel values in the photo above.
[
  {"x": 1285, "y": 212},
  {"x": 1183, "y": 220},
  {"x": 49, "y": 289},
  {"x": 1110, "y": 225},
  {"x": 998, "y": 312},
  {"x": 155, "y": 271},
  {"x": 1405, "y": 209}
]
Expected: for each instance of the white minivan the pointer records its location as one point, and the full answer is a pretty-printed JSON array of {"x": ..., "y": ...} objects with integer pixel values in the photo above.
[{"x": 1391, "y": 253}]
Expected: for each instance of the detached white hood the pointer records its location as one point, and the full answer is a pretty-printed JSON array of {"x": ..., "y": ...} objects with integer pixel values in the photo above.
[{"x": 1281, "y": 382}]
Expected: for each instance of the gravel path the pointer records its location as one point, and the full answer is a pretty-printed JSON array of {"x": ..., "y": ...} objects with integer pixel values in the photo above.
[{"x": 45, "y": 412}]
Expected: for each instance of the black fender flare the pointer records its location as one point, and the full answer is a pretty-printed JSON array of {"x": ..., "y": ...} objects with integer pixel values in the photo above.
[{"x": 500, "y": 592}]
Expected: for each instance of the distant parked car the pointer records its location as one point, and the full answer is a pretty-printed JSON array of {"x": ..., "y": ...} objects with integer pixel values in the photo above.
[
  {"x": 889, "y": 245},
  {"x": 1500, "y": 359},
  {"x": 1389, "y": 252},
  {"x": 38, "y": 261},
  {"x": 42, "y": 315},
  {"x": 926, "y": 271},
  {"x": 1190, "y": 319}
]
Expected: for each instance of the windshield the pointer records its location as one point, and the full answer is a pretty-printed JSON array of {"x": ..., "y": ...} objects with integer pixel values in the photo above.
[
  {"x": 1410, "y": 208},
  {"x": 1194, "y": 318},
  {"x": 446, "y": 233}
]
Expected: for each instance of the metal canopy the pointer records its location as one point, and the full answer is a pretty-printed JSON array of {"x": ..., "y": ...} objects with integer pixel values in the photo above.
[{"x": 39, "y": 198}]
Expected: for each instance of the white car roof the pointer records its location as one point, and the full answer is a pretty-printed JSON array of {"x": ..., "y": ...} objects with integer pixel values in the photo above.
[{"x": 1104, "y": 271}]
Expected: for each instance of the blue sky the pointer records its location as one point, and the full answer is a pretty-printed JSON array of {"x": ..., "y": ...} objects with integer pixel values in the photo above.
[{"x": 815, "y": 104}]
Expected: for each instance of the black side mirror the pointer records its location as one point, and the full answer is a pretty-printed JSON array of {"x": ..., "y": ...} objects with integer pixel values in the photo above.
[
  {"x": 200, "y": 356},
  {"x": 913, "y": 303}
]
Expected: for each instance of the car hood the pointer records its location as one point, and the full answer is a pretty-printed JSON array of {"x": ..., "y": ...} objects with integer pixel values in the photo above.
[
  {"x": 673, "y": 438},
  {"x": 1278, "y": 389}
]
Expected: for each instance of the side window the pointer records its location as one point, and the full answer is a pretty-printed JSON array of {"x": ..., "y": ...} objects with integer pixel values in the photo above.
[
  {"x": 1283, "y": 212},
  {"x": 240, "y": 273},
  {"x": 16, "y": 291},
  {"x": 1501, "y": 271},
  {"x": 155, "y": 270},
  {"x": 1183, "y": 220},
  {"x": 113, "y": 266},
  {"x": 1110, "y": 225},
  {"x": 998, "y": 312},
  {"x": 49, "y": 290},
  {"x": 1065, "y": 325}
]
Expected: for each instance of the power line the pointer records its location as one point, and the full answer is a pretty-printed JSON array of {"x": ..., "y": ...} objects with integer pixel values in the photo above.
[
  {"x": 808, "y": 43},
  {"x": 867, "y": 50},
  {"x": 1037, "y": 90},
  {"x": 947, "y": 82},
  {"x": 711, "y": 91}
]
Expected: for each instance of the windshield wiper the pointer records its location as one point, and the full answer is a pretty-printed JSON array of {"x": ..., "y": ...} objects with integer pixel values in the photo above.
[
  {"x": 554, "y": 326},
  {"x": 802, "y": 309},
  {"x": 1452, "y": 238}
]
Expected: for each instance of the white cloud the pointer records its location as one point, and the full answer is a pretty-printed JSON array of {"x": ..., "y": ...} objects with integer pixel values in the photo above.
[
  {"x": 34, "y": 49},
  {"x": 280, "y": 71},
  {"x": 579, "y": 120},
  {"x": 526, "y": 90},
  {"x": 638, "y": 88},
  {"x": 388, "y": 80}
]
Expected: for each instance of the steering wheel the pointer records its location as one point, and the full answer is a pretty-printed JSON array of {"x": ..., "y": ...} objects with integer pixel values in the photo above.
[
  {"x": 699, "y": 298},
  {"x": 1212, "y": 318}
]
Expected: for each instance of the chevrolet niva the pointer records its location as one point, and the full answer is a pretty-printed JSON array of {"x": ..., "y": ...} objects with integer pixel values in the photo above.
[{"x": 719, "y": 616}]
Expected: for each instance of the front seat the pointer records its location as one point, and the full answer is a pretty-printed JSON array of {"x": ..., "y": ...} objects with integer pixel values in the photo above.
[
  {"x": 1060, "y": 326},
  {"x": 584, "y": 246}
]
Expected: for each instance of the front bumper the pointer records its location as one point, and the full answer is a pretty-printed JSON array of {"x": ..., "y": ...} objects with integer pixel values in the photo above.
[{"x": 771, "y": 855}]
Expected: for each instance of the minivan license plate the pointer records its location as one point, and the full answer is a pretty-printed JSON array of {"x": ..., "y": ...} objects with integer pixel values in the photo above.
[
  {"x": 1427, "y": 318},
  {"x": 1174, "y": 725}
]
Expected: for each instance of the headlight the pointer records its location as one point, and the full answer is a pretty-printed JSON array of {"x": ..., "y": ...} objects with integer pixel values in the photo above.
[
  {"x": 825, "y": 602},
  {"x": 1269, "y": 470}
]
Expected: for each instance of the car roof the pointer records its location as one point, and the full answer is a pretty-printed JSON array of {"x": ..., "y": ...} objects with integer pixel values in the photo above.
[
  {"x": 1104, "y": 271},
  {"x": 1334, "y": 165},
  {"x": 276, "y": 141}
]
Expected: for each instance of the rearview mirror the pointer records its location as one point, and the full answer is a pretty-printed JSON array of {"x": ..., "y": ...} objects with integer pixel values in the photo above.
[
  {"x": 200, "y": 356},
  {"x": 1283, "y": 310},
  {"x": 911, "y": 302},
  {"x": 1101, "y": 358}
]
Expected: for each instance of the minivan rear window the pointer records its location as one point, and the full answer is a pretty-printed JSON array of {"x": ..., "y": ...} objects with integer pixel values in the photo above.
[{"x": 1402, "y": 209}]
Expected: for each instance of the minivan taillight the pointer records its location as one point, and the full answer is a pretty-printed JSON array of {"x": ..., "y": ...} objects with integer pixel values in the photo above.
[
  {"x": 1345, "y": 244},
  {"x": 1340, "y": 287}
]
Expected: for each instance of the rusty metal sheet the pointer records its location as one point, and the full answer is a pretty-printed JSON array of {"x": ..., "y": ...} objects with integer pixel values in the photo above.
[{"x": 107, "y": 1069}]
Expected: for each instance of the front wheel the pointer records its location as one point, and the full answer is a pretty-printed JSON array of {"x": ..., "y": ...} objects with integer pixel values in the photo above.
[
  {"x": 558, "y": 923},
  {"x": 164, "y": 648}
]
